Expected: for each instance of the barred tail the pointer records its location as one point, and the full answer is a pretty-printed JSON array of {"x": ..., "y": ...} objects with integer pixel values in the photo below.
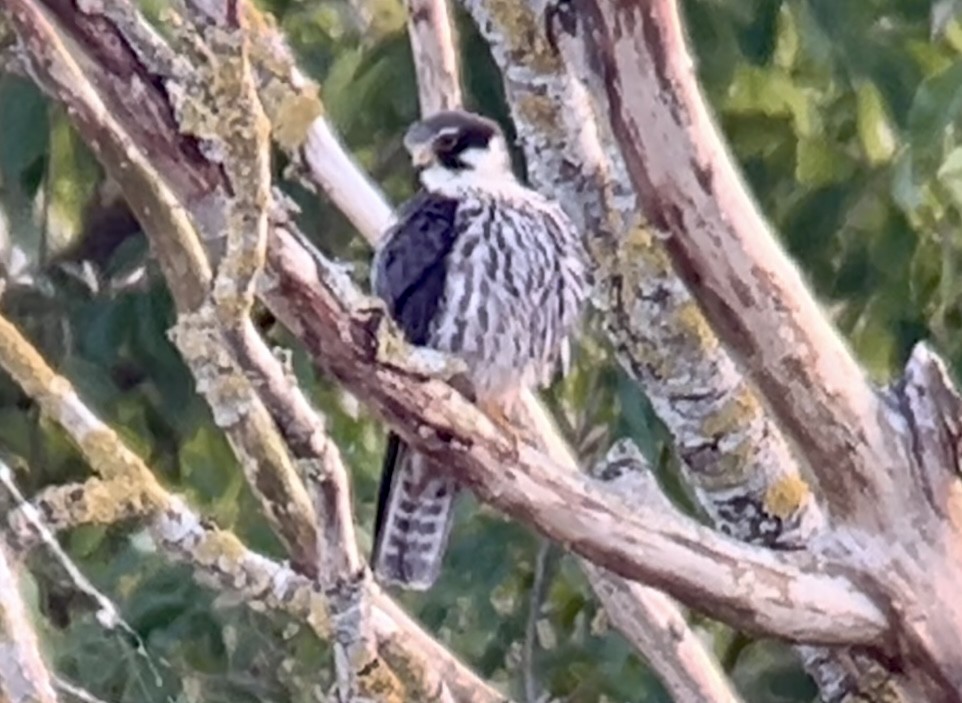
[{"x": 414, "y": 512}]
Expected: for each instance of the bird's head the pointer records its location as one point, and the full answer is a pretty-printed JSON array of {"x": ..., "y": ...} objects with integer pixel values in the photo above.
[{"x": 455, "y": 149}]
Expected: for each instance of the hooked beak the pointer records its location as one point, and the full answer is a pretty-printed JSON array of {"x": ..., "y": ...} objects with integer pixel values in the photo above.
[{"x": 417, "y": 140}]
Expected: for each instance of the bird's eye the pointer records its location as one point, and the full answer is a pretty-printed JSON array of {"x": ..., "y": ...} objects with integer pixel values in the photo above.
[{"x": 445, "y": 142}]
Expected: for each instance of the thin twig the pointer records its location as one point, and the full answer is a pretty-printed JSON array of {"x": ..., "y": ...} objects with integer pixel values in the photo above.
[{"x": 532, "y": 687}]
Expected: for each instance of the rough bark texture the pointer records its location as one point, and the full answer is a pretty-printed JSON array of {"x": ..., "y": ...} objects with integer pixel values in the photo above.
[
  {"x": 649, "y": 619},
  {"x": 352, "y": 340},
  {"x": 864, "y": 449},
  {"x": 882, "y": 574},
  {"x": 738, "y": 462},
  {"x": 736, "y": 458},
  {"x": 23, "y": 674},
  {"x": 435, "y": 58}
]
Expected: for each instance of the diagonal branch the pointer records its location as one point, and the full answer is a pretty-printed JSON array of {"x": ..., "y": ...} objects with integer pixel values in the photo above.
[
  {"x": 724, "y": 250},
  {"x": 423, "y": 662},
  {"x": 174, "y": 239},
  {"x": 650, "y": 620},
  {"x": 23, "y": 673},
  {"x": 787, "y": 595},
  {"x": 94, "y": 502},
  {"x": 733, "y": 453}
]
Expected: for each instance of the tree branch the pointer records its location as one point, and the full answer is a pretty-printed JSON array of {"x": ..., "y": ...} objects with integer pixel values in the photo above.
[
  {"x": 649, "y": 619},
  {"x": 435, "y": 58},
  {"x": 217, "y": 554},
  {"x": 93, "y": 502},
  {"x": 783, "y": 594},
  {"x": 725, "y": 252},
  {"x": 735, "y": 457},
  {"x": 23, "y": 674}
]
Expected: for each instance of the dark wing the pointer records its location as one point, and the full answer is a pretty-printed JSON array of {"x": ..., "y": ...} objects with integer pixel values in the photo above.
[
  {"x": 410, "y": 266},
  {"x": 409, "y": 272}
]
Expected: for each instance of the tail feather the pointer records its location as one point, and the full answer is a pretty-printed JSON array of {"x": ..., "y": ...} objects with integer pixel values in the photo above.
[{"x": 413, "y": 522}]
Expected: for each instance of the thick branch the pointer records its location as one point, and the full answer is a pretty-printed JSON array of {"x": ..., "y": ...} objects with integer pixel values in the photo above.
[
  {"x": 781, "y": 594},
  {"x": 174, "y": 239},
  {"x": 736, "y": 458},
  {"x": 723, "y": 248}
]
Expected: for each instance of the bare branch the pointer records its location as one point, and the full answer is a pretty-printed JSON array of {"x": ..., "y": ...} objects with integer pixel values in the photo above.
[
  {"x": 779, "y": 593},
  {"x": 424, "y": 673},
  {"x": 240, "y": 125},
  {"x": 532, "y": 687},
  {"x": 435, "y": 58},
  {"x": 299, "y": 127},
  {"x": 724, "y": 250},
  {"x": 75, "y": 691},
  {"x": 94, "y": 502},
  {"x": 236, "y": 406},
  {"x": 734, "y": 455},
  {"x": 737, "y": 459},
  {"x": 929, "y": 401},
  {"x": 23, "y": 674},
  {"x": 108, "y": 615},
  {"x": 218, "y": 555},
  {"x": 649, "y": 619}
]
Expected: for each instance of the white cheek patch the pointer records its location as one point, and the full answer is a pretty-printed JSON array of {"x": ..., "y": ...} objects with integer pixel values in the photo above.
[
  {"x": 488, "y": 168},
  {"x": 486, "y": 162}
]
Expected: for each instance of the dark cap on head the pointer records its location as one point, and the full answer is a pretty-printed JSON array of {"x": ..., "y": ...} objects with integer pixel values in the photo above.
[
  {"x": 454, "y": 121},
  {"x": 444, "y": 136}
]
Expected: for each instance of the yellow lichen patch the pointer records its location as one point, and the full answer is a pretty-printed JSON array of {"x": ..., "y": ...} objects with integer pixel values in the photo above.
[
  {"x": 786, "y": 495},
  {"x": 638, "y": 249},
  {"x": 692, "y": 323},
  {"x": 315, "y": 610},
  {"x": 219, "y": 548},
  {"x": 541, "y": 112},
  {"x": 523, "y": 32},
  {"x": 108, "y": 500},
  {"x": 23, "y": 362},
  {"x": 376, "y": 681},
  {"x": 740, "y": 410},
  {"x": 110, "y": 458},
  {"x": 293, "y": 117}
]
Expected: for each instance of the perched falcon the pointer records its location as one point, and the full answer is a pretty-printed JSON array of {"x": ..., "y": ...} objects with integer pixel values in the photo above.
[{"x": 479, "y": 266}]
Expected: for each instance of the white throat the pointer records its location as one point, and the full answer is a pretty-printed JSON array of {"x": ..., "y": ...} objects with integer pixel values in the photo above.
[{"x": 488, "y": 169}]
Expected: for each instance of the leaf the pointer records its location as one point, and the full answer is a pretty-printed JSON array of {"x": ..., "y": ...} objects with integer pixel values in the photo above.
[
  {"x": 787, "y": 41},
  {"x": 771, "y": 92},
  {"x": 874, "y": 128},
  {"x": 86, "y": 539},
  {"x": 950, "y": 174},
  {"x": 819, "y": 163},
  {"x": 23, "y": 124},
  {"x": 937, "y": 104},
  {"x": 72, "y": 177}
]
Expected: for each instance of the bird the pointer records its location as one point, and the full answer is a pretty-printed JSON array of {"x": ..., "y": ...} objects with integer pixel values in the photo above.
[{"x": 477, "y": 265}]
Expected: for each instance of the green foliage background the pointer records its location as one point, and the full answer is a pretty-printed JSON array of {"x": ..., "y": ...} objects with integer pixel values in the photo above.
[{"x": 843, "y": 115}]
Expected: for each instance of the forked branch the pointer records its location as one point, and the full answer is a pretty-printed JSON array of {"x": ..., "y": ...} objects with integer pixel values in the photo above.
[
  {"x": 783, "y": 594},
  {"x": 637, "y": 62}
]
